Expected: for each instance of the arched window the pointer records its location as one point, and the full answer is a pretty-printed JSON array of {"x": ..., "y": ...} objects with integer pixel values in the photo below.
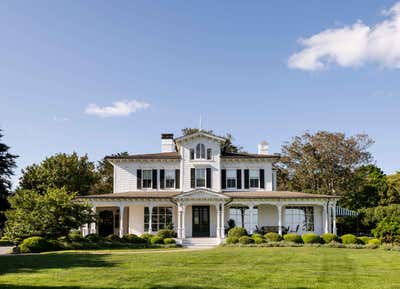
[{"x": 200, "y": 151}]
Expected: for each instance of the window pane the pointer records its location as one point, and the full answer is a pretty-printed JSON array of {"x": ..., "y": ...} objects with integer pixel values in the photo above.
[
  {"x": 170, "y": 178},
  {"x": 147, "y": 177},
  {"x": 200, "y": 177}
]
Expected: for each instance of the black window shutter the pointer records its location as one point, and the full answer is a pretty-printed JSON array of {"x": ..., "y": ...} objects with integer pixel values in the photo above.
[
  {"x": 223, "y": 179},
  {"x": 154, "y": 179},
  {"x": 246, "y": 179},
  {"x": 209, "y": 154},
  {"x": 139, "y": 179},
  {"x": 192, "y": 154},
  {"x": 162, "y": 178},
  {"x": 192, "y": 178},
  {"x": 238, "y": 179},
  {"x": 177, "y": 179},
  {"x": 208, "y": 178},
  {"x": 262, "y": 179}
]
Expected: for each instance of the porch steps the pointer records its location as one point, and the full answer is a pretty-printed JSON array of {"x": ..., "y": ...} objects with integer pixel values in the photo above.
[{"x": 200, "y": 242}]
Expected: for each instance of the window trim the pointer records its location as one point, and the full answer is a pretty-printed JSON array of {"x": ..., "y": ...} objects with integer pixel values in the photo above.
[
  {"x": 258, "y": 178},
  {"x": 200, "y": 152},
  {"x": 165, "y": 178},
  {"x": 205, "y": 177},
  {"x": 151, "y": 179},
  {"x": 235, "y": 178},
  {"x": 157, "y": 215}
]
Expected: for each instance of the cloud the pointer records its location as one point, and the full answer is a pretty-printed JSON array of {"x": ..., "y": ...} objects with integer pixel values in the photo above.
[
  {"x": 353, "y": 46},
  {"x": 119, "y": 108}
]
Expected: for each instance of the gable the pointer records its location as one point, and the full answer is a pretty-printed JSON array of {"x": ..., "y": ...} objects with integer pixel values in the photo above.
[{"x": 201, "y": 194}]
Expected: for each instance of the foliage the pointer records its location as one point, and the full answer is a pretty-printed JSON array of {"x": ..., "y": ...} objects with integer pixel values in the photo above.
[
  {"x": 35, "y": 244},
  {"x": 246, "y": 240},
  {"x": 349, "y": 239},
  {"x": 51, "y": 214},
  {"x": 392, "y": 193},
  {"x": 388, "y": 230},
  {"x": 112, "y": 238},
  {"x": 166, "y": 233},
  {"x": 311, "y": 238},
  {"x": 7, "y": 165},
  {"x": 132, "y": 238},
  {"x": 227, "y": 146},
  {"x": 374, "y": 241},
  {"x": 157, "y": 240},
  {"x": 146, "y": 237},
  {"x": 273, "y": 237},
  {"x": 93, "y": 238},
  {"x": 363, "y": 240},
  {"x": 258, "y": 239},
  {"x": 168, "y": 241},
  {"x": 347, "y": 224},
  {"x": 237, "y": 232},
  {"x": 329, "y": 237},
  {"x": 75, "y": 236},
  {"x": 293, "y": 237},
  {"x": 76, "y": 174},
  {"x": 324, "y": 162},
  {"x": 232, "y": 240},
  {"x": 105, "y": 175},
  {"x": 231, "y": 224},
  {"x": 370, "y": 217}
]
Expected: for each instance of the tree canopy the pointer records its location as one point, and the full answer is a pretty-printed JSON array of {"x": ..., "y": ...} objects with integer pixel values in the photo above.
[
  {"x": 75, "y": 173},
  {"x": 7, "y": 165}
]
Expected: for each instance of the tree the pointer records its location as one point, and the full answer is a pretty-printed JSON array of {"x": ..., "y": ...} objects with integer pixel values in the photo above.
[
  {"x": 51, "y": 214},
  {"x": 76, "y": 174},
  {"x": 227, "y": 146},
  {"x": 7, "y": 165},
  {"x": 324, "y": 162},
  {"x": 392, "y": 195},
  {"x": 105, "y": 172}
]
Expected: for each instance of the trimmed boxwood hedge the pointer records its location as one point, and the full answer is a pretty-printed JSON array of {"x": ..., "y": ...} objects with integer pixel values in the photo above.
[
  {"x": 273, "y": 237},
  {"x": 146, "y": 237},
  {"x": 133, "y": 239},
  {"x": 93, "y": 238},
  {"x": 156, "y": 240},
  {"x": 166, "y": 233},
  {"x": 232, "y": 240},
  {"x": 112, "y": 238},
  {"x": 246, "y": 240},
  {"x": 363, "y": 240},
  {"x": 35, "y": 245},
  {"x": 374, "y": 241},
  {"x": 329, "y": 237},
  {"x": 168, "y": 241},
  {"x": 311, "y": 238},
  {"x": 292, "y": 237},
  {"x": 237, "y": 232},
  {"x": 349, "y": 239}
]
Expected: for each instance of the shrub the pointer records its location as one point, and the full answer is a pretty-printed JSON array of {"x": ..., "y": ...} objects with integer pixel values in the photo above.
[
  {"x": 168, "y": 241},
  {"x": 311, "y": 238},
  {"x": 133, "y": 239},
  {"x": 94, "y": 238},
  {"x": 363, "y": 240},
  {"x": 156, "y": 240},
  {"x": 273, "y": 237},
  {"x": 63, "y": 239},
  {"x": 75, "y": 236},
  {"x": 349, "y": 239},
  {"x": 232, "y": 240},
  {"x": 35, "y": 245},
  {"x": 4, "y": 241},
  {"x": 329, "y": 237},
  {"x": 245, "y": 240},
  {"x": 374, "y": 242},
  {"x": 146, "y": 237},
  {"x": 258, "y": 239},
  {"x": 112, "y": 238},
  {"x": 166, "y": 233},
  {"x": 292, "y": 237},
  {"x": 237, "y": 232},
  {"x": 388, "y": 230}
]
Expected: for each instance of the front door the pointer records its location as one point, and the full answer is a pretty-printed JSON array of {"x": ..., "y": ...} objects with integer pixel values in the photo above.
[{"x": 201, "y": 221}]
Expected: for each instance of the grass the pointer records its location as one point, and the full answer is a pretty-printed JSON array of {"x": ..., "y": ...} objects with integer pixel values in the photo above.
[{"x": 294, "y": 268}]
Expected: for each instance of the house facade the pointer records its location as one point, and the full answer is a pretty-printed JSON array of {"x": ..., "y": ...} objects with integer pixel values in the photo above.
[{"x": 196, "y": 188}]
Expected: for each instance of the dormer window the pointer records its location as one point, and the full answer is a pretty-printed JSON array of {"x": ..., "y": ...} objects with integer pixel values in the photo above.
[{"x": 200, "y": 151}]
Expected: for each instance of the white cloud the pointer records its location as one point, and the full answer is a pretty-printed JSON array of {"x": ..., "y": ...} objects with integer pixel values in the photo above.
[
  {"x": 353, "y": 45},
  {"x": 119, "y": 108}
]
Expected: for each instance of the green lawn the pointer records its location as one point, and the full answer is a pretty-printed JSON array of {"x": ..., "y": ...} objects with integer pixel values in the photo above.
[{"x": 294, "y": 268}]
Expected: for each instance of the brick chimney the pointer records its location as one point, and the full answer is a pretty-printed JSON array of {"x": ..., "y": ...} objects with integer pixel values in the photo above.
[{"x": 167, "y": 143}]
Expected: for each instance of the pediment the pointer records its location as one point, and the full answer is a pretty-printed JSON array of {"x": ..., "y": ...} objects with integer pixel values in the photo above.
[{"x": 201, "y": 194}]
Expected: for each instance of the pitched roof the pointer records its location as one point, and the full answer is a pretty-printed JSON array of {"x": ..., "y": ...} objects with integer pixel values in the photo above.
[
  {"x": 157, "y": 156},
  {"x": 134, "y": 195},
  {"x": 276, "y": 195},
  {"x": 243, "y": 155},
  {"x": 200, "y": 133}
]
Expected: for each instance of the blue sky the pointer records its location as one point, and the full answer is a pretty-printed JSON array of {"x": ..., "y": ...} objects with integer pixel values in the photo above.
[{"x": 238, "y": 64}]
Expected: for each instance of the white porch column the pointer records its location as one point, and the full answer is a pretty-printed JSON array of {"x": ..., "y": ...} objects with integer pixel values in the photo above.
[
  {"x": 279, "y": 207},
  {"x": 326, "y": 219},
  {"x": 93, "y": 225},
  {"x": 218, "y": 207},
  {"x": 222, "y": 234},
  {"x": 121, "y": 220},
  {"x": 334, "y": 229},
  {"x": 183, "y": 235},
  {"x": 251, "y": 207},
  {"x": 179, "y": 229},
  {"x": 150, "y": 219}
]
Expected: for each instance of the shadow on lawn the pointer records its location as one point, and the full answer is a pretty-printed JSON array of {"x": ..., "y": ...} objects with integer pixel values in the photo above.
[{"x": 32, "y": 263}]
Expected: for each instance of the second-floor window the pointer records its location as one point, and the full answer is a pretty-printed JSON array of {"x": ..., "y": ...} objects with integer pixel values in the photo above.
[
  {"x": 231, "y": 179},
  {"x": 200, "y": 151},
  {"x": 170, "y": 179},
  {"x": 200, "y": 178},
  {"x": 254, "y": 176},
  {"x": 147, "y": 178}
]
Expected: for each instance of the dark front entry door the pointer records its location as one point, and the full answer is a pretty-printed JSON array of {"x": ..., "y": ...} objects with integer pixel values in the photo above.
[
  {"x": 201, "y": 221},
  {"x": 106, "y": 223}
]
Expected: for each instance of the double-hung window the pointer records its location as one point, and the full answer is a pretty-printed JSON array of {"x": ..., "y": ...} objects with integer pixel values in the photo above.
[
  {"x": 200, "y": 151},
  {"x": 254, "y": 178},
  {"x": 200, "y": 178},
  {"x": 231, "y": 179},
  {"x": 147, "y": 178},
  {"x": 169, "y": 179},
  {"x": 161, "y": 218}
]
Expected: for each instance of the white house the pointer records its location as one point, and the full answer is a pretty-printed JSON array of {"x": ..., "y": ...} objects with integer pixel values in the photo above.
[{"x": 194, "y": 187}]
